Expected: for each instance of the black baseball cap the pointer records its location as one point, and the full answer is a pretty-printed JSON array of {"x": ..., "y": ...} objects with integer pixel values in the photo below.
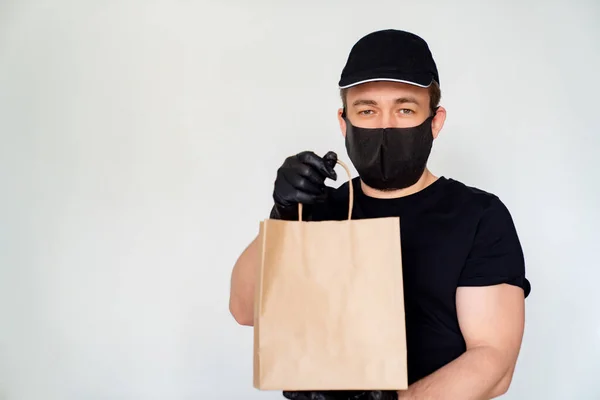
[{"x": 390, "y": 55}]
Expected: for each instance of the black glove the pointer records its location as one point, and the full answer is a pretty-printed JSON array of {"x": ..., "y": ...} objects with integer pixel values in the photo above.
[
  {"x": 343, "y": 395},
  {"x": 301, "y": 179},
  {"x": 308, "y": 396}
]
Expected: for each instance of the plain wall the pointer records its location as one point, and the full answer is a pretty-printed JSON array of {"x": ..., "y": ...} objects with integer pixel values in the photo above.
[{"x": 139, "y": 145}]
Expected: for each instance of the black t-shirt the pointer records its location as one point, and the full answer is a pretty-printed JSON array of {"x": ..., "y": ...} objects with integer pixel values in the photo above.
[{"x": 452, "y": 235}]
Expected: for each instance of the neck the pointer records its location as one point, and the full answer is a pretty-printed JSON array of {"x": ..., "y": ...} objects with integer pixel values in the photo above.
[{"x": 425, "y": 180}]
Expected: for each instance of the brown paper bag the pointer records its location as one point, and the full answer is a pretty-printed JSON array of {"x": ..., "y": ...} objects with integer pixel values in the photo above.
[{"x": 329, "y": 306}]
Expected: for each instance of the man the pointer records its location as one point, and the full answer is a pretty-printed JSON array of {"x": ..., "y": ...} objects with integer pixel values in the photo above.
[{"x": 464, "y": 274}]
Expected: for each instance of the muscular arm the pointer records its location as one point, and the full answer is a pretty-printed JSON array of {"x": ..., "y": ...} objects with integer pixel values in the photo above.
[
  {"x": 241, "y": 296},
  {"x": 491, "y": 320}
]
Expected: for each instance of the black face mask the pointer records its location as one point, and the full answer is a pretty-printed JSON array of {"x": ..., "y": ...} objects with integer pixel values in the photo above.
[{"x": 389, "y": 158}]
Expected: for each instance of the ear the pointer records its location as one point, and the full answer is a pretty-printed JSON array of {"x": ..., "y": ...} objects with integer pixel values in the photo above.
[
  {"x": 438, "y": 121},
  {"x": 341, "y": 121}
]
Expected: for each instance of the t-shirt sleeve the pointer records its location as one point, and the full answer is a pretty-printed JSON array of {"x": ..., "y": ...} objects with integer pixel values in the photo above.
[{"x": 496, "y": 255}]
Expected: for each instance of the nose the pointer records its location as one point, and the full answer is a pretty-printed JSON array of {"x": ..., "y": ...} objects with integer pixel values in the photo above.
[{"x": 388, "y": 119}]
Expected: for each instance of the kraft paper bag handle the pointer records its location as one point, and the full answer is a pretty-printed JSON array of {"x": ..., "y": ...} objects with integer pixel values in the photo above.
[{"x": 350, "y": 201}]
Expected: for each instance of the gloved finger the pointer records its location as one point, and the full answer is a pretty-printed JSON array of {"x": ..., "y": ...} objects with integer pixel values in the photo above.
[
  {"x": 321, "y": 396},
  {"x": 330, "y": 160},
  {"x": 382, "y": 395},
  {"x": 295, "y": 395},
  {"x": 358, "y": 395},
  {"x": 305, "y": 198},
  {"x": 286, "y": 195},
  {"x": 303, "y": 183},
  {"x": 309, "y": 172},
  {"x": 348, "y": 394},
  {"x": 306, "y": 395},
  {"x": 310, "y": 158}
]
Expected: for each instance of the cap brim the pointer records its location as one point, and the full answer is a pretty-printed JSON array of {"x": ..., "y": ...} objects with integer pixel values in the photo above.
[{"x": 421, "y": 80}]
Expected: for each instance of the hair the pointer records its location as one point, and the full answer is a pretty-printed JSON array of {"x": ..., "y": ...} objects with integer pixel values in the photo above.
[{"x": 435, "y": 95}]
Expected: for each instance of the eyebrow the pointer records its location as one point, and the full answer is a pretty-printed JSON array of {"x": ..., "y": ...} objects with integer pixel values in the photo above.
[
  {"x": 407, "y": 99},
  {"x": 400, "y": 100}
]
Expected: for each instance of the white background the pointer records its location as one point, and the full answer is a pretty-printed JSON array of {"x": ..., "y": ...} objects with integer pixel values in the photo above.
[{"x": 139, "y": 144}]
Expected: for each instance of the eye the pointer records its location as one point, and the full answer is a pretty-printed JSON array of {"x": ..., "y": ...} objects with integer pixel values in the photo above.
[
  {"x": 406, "y": 111},
  {"x": 366, "y": 112}
]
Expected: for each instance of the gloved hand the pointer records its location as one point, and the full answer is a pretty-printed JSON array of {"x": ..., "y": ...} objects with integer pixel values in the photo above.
[
  {"x": 343, "y": 395},
  {"x": 301, "y": 179}
]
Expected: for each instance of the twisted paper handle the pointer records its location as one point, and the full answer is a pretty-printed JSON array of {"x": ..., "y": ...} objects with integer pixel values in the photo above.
[{"x": 350, "y": 188}]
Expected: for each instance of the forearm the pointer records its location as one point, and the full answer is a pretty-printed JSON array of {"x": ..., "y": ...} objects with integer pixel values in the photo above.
[
  {"x": 243, "y": 277},
  {"x": 480, "y": 373}
]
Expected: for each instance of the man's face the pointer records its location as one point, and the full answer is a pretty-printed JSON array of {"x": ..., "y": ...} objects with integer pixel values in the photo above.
[{"x": 384, "y": 104}]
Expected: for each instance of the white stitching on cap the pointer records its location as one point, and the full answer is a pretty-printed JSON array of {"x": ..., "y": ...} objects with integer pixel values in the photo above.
[{"x": 384, "y": 79}]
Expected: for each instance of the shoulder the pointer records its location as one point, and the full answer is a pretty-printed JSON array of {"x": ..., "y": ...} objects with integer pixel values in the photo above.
[
  {"x": 496, "y": 255},
  {"x": 487, "y": 217},
  {"x": 478, "y": 202}
]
